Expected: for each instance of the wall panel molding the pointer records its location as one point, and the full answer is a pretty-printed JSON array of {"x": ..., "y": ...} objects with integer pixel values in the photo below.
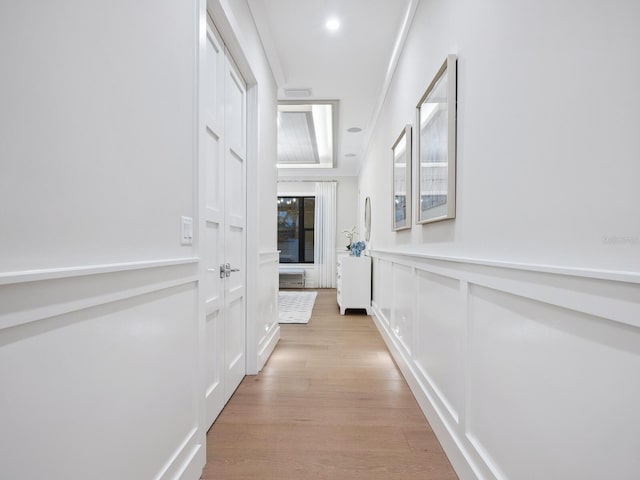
[
  {"x": 266, "y": 323},
  {"x": 456, "y": 450},
  {"x": 182, "y": 458},
  {"x": 127, "y": 368},
  {"x": 32, "y": 301},
  {"x": 7, "y": 278},
  {"x": 268, "y": 345},
  {"x": 269, "y": 256},
  {"x": 599, "y": 274},
  {"x": 614, "y": 299},
  {"x": 518, "y": 343}
]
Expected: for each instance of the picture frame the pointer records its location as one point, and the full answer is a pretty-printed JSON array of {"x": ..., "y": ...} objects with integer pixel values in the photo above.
[
  {"x": 436, "y": 118},
  {"x": 401, "y": 178}
]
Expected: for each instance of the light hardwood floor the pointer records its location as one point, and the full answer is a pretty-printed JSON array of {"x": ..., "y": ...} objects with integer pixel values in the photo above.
[{"x": 329, "y": 404}]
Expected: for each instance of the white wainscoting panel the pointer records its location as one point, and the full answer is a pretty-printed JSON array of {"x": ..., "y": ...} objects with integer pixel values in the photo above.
[
  {"x": 268, "y": 328},
  {"x": 403, "y": 306},
  {"x": 537, "y": 368},
  {"x": 108, "y": 388},
  {"x": 25, "y": 302},
  {"x": 382, "y": 273},
  {"x": 439, "y": 334},
  {"x": 523, "y": 374}
]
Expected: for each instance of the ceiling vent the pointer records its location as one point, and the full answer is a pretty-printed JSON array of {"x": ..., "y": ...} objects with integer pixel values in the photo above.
[{"x": 297, "y": 92}]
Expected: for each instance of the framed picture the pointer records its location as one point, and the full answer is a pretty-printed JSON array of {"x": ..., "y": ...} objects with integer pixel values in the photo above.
[
  {"x": 436, "y": 145},
  {"x": 402, "y": 180}
]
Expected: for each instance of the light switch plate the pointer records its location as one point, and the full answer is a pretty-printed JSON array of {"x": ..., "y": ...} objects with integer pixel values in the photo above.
[{"x": 187, "y": 231}]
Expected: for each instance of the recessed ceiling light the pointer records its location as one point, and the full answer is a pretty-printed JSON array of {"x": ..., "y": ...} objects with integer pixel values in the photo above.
[
  {"x": 333, "y": 24},
  {"x": 350, "y": 155},
  {"x": 354, "y": 129}
]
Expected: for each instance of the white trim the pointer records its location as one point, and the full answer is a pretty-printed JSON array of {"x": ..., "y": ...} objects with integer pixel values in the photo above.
[
  {"x": 268, "y": 311},
  {"x": 600, "y": 274},
  {"x": 253, "y": 262},
  {"x": 269, "y": 256},
  {"x": 14, "y": 319},
  {"x": 560, "y": 292},
  {"x": 232, "y": 35},
  {"x": 268, "y": 345},
  {"x": 7, "y": 278},
  {"x": 182, "y": 458},
  {"x": 200, "y": 207}
]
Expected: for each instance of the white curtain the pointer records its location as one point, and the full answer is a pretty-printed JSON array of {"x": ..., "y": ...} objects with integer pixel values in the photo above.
[{"x": 325, "y": 234}]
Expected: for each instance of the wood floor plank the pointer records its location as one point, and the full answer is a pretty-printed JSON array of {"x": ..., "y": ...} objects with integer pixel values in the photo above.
[
  {"x": 261, "y": 414},
  {"x": 329, "y": 404}
]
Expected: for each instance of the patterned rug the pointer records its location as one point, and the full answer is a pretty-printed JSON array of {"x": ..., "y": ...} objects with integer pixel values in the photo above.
[{"x": 295, "y": 307}]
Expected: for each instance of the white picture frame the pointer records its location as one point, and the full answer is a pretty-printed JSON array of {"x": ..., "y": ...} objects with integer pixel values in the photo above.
[
  {"x": 436, "y": 114},
  {"x": 401, "y": 178}
]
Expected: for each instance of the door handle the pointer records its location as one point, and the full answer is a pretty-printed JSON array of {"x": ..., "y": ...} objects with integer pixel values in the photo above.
[
  {"x": 225, "y": 270},
  {"x": 222, "y": 271}
]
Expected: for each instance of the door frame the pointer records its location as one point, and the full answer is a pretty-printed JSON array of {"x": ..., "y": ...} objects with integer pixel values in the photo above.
[{"x": 224, "y": 25}]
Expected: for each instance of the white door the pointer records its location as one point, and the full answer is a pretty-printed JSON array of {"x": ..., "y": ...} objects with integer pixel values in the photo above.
[
  {"x": 223, "y": 247},
  {"x": 235, "y": 120}
]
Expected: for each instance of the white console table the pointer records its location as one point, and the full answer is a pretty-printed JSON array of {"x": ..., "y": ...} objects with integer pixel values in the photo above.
[{"x": 354, "y": 283}]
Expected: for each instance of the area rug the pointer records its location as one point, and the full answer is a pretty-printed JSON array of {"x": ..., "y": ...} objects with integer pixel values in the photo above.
[{"x": 295, "y": 307}]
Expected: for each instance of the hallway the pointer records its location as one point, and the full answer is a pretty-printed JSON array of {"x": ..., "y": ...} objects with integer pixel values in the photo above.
[{"x": 329, "y": 404}]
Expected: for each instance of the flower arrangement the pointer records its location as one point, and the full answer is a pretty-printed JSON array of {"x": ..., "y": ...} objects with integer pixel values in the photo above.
[
  {"x": 357, "y": 248},
  {"x": 349, "y": 234}
]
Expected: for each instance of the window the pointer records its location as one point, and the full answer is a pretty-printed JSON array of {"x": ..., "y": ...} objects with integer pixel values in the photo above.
[{"x": 296, "y": 224}]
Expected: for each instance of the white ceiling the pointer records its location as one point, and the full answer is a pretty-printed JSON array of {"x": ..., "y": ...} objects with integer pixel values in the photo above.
[{"x": 351, "y": 65}]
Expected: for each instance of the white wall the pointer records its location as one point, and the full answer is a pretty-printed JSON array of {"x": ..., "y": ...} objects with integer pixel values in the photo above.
[
  {"x": 84, "y": 135},
  {"x": 547, "y": 107},
  {"x": 347, "y": 214},
  {"x": 98, "y": 325},
  {"x": 517, "y": 323},
  {"x": 346, "y": 205},
  {"x": 99, "y": 322}
]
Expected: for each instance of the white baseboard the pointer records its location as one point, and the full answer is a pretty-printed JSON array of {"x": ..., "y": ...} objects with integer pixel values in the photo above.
[
  {"x": 268, "y": 346},
  {"x": 455, "y": 452},
  {"x": 187, "y": 462}
]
